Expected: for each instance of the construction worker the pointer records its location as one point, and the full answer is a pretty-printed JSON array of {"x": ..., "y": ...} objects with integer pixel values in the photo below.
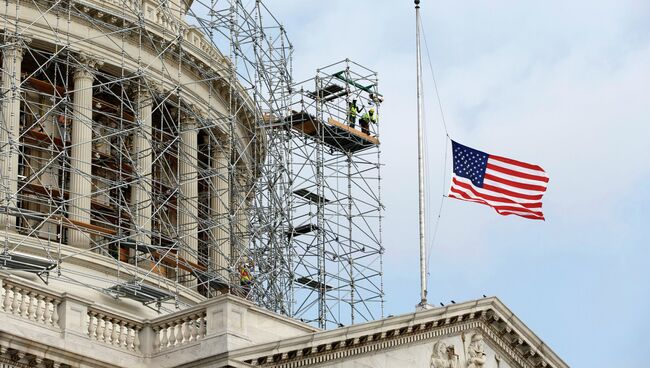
[
  {"x": 366, "y": 119},
  {"x": 245, "y": 277},
  {"x": 353, "y": 111}
]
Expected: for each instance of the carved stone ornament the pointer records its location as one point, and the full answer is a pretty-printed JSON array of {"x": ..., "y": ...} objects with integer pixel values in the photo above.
[
  {"x": 86, "y": 66},
  {"x": 443, "y": 356},
  {"x": 476, "y": 356}
]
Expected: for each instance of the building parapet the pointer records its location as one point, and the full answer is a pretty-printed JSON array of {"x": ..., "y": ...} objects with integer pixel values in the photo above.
[{"x": 65, "y": 328}]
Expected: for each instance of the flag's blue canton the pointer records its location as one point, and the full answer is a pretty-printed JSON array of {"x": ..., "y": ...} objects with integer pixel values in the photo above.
[{"x": 469, "y": 163}]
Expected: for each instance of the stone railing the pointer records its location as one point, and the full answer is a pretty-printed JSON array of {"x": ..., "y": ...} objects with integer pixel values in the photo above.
[
  {"x": 30, "y": 303},
  {"x": 31, "y": 311},
  {"x": 108, "y": 328},
  {"x": 179, "y": 329}
]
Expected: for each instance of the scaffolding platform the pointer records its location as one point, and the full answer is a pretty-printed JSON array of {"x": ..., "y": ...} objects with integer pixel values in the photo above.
[
  {"x": 301, "y": 230},
  {"x": 19, "y": 262},
  {"x": 140, "y": 292},
  {"x": 313, "y": 197},
  {"x": 311, "y": 283},
  {"x": 328, "y": 93},
  {"x": 334, "y": 134}
]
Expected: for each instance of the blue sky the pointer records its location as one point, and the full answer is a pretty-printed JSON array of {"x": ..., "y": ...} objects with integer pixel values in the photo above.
[{"x": 561, "y": 84}]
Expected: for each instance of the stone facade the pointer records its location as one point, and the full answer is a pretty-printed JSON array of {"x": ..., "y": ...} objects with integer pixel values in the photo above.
[{"x": 44, "y": 329}]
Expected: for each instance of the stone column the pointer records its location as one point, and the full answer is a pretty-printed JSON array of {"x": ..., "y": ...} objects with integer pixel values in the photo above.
[
  {"x": 188, "y": 204},
  {"x": 142, "y": 156},
  {"x": 12, "y": 57},
  {"x": 81, "y": 150},
  {"x": 220, "y": 208}
]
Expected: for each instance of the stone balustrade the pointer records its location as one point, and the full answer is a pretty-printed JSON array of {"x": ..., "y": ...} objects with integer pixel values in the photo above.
[
  {"x": 60, "y": 311},
  {"x": 27, "y": 302},
  {"x": 120, "y": 332},
  {"x": 74, "y": 325},
  {"x": 179, "y": 330}
]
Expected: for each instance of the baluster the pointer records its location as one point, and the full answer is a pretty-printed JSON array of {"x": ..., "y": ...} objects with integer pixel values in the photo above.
[
  {"x": 40, "y": 308},
  {"x": 136, "y": 339},
  {"x": 31, "y": 308},
  {"x": 124, "y": 331},
  {"x": 55, "y": 313},
  {"x": 193, "y": 331},
  {"x": 23, "y": 306},
  {"x": 100, "y": 327},
  {"x": 156, "y": 339},
  {"x": 202, "y": 327},
  {"x": 165, "y": 340},
  {"x": 6, "y": 304},
  {"x": 172, "y": 334},
  {"x": 107, "y": 330},
  {"x": 92, "y": 327},
  {"x": 130, "y": 331},
  {"x": 16, "y": 302},
  {"x": 185, "y": 330},
  {"x": 115, "y": 331},
  {"x": 46, "y": 311}
]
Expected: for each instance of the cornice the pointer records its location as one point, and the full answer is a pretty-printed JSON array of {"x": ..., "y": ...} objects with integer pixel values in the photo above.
[{"x": 517, "y": 342}]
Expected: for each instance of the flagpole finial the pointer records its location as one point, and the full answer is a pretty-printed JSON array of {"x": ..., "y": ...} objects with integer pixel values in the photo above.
[{"x": 417, "y": 3}]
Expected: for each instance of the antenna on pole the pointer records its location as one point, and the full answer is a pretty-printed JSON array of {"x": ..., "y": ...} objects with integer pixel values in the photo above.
[{"x": 423, "y": 250}]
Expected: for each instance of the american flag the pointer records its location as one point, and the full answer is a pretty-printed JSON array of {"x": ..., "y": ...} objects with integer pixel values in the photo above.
[{"x": 509, "y": 186}]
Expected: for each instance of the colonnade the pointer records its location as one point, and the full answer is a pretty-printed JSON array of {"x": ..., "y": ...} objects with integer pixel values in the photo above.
[{"x": 79, "y": 205}]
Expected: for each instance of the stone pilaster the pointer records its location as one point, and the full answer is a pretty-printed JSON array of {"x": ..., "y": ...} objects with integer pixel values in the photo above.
[
  {"x": 220, "y": 207},
  {"x": 81, "y": 150},
  {"x": 141, "y": 186},
  {"x": 12, "y": 57},
  {"x": 189, "y": 190}
]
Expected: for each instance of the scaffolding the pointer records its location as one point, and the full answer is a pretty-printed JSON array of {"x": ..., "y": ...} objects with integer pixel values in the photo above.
[
  {"x": 336, "y": 209},
  {"x": 159, "y": 141},
  {"x": 131, "y": 138}
]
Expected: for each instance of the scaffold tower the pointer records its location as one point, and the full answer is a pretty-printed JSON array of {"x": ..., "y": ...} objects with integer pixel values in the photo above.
[{"x": 336, "y": 209}]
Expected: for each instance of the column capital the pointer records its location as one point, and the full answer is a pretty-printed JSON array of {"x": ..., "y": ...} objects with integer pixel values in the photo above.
[
  {"x": 190, "y": 117},
  {"x": 224, "y": 140},
  {"x": 16, "y": 44},
  {"x": 143, "y": 88},
  {"x": 87, "y": 65}
]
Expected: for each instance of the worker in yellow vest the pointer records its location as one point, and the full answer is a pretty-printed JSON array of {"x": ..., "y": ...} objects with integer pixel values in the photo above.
[
  {"x": 366, "y": 119},
  {"x": 245, "y": 277},
  {"x": 353, "y": 111}
]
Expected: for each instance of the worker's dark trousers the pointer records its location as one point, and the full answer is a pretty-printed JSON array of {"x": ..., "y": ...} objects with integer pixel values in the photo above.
[
  {"x": 352, "y": 121},
  {"x": 364, "y": 126}
]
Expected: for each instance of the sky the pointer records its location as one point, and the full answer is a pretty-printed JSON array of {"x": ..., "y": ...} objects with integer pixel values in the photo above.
[{"x": 562, "y": 84}]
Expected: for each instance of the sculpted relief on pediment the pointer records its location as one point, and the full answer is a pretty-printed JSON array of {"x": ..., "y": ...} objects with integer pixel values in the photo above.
[{"x": 464, "y": 351}]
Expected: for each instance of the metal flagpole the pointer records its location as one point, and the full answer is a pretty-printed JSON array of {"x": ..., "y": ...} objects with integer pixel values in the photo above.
[{"x": 423, "y": 266}]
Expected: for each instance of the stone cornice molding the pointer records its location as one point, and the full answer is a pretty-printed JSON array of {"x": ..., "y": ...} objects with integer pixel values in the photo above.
[{"x": 517, "y": 342}]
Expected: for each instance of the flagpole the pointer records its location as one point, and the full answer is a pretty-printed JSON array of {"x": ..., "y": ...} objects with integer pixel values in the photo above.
[{"x": 423, "y": 250}]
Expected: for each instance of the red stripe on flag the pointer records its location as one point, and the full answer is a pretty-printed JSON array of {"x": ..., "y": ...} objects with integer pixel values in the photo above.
[
  {"x": 515, "y": 184},
  {"x": 494, "y": 198},
  {"x": 499, "y": 209},
  {"x": 515, "y": 162},
  {"x": 531, "y": 197},
  {"x": 516, "y": 173}
]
